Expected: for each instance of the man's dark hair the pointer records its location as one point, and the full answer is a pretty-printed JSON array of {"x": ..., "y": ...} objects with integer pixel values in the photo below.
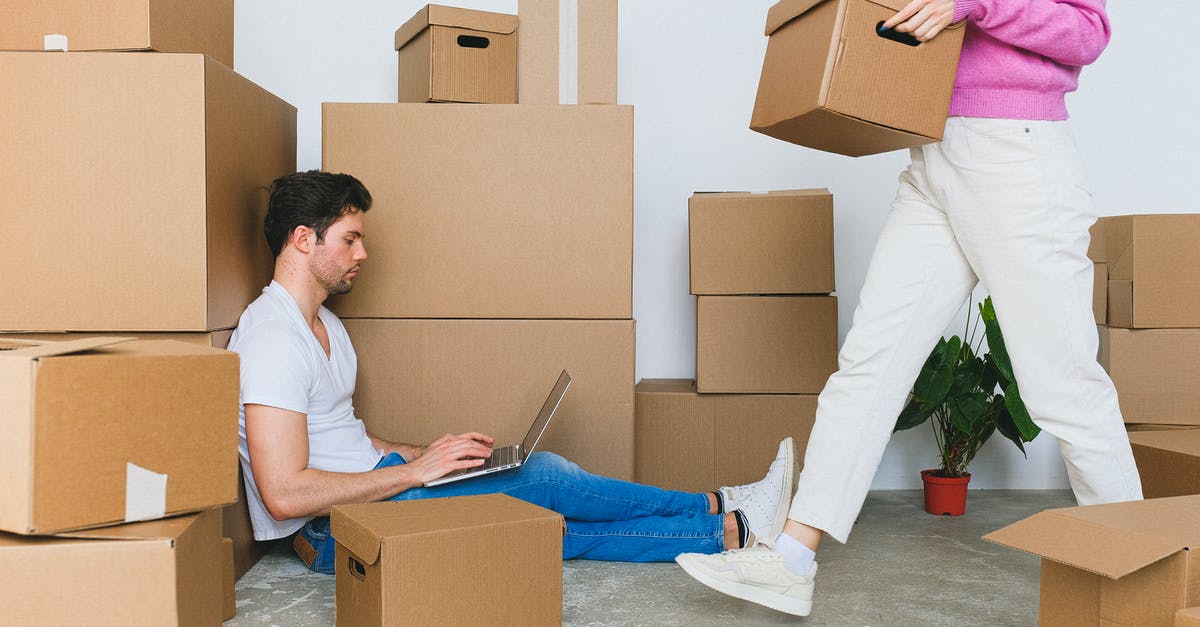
[{"x": 314, "y": 199}]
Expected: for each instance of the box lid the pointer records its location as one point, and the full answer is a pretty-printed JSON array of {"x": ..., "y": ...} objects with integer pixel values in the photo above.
[
  {"x": 788, "y": 10},
  {"x": 666, "y": 386},
  {"x": 438, "y": 15},
  {"x": 1112, "y": 540},
  {"x": 1185, "y": 441},
  {"x": 34, "y": 349}
]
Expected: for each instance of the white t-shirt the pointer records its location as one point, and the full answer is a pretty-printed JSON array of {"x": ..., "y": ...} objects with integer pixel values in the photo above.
[{"x": 283, "y": 365}]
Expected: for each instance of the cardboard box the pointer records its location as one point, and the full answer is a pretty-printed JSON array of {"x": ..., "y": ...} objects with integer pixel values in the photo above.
[
  {"x": 765, "y": 344},
  {"x": 1155, "y": 373},
  {"x": 166, "y": 572},
  {"x": 1168, "y": 461},
  {"x": 538, "y": 52},
  {"x": 597, "y": 52},
  {"x": 830, "y": 82},
  {"x": 490, "y": 211},
  {"x": 698, "y": 442},
  {"x": 100, "y": 433},
  {"x": 1120, "y": 564},
  {"x": 228, "y": 579},
  {"x": 215, "y": 339},
  {"x": 204, "y": 26},
  {"x": 1153, "y": 270},
  {"x": 1188, "y": 617},
  {"x": 1100, "y": 292},
  {"x": 448, "y": 562},
  {"x": 774, "y": 243},
  {"x": 420, "y": 379},
  {"x": 458, "y": 55},
  {"x": 109, "y": 160}
]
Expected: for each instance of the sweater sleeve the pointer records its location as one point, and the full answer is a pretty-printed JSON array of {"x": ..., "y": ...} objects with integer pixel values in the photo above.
[{"x": 1070, "y": 32}]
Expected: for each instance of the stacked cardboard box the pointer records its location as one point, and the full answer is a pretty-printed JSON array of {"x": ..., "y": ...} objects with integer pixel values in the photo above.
[
  {"x": 143, "y": 177},
  {"x": 766, "y": 340}
]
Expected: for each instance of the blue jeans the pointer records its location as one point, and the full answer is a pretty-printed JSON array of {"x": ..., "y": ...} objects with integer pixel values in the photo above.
[{"x": 607, "y": 519}]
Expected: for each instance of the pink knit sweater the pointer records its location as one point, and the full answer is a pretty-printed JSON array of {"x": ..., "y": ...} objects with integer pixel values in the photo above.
[{"x": 1021, "y": 57}]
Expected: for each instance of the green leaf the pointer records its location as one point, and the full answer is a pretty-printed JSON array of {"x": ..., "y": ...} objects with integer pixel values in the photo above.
[
  {"x": 1020, "y": 416},
  {"x": 935, "y": 379},
  {"x": 1005, "y": 425},
  {"x": 967, "y": 377},
  {"x": 996, "y": 349},
  {"x": 914, "y": 414}
]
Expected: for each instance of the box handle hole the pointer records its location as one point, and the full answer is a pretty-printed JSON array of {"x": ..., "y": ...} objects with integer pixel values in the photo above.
[
  {"x": 895, "y": 35},
  {"x": 473, "y": 41},
  {"x": 357, "y": 570}
]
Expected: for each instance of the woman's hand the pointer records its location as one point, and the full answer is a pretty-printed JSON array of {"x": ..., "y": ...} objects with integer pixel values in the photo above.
[{"x": 923, "y": 19}]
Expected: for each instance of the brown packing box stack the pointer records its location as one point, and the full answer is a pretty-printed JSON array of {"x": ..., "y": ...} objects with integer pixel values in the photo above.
[
  {"x": 1168, "y": 461},
  {"x": 1153, "y": 267},
  {"x": 765, "y": 344},
  {"x": 419, "y": 379},
  {"x": 775, "y": 243},
  {"x": 830, "y": 82},
  {"x": 154, "y": 146},
  {"x": 696, "y": 442},
  {"x": 1155, "y": 373},
  {"x": 1121, "y": 564},
  {"x": 448, "y": 54},
  {"x": 203, "y": 26},
  {"x": 448, "y": 562},
  {"x": 166, "y": 572}
]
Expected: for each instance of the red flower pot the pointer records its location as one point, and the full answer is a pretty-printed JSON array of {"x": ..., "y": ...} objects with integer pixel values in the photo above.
[{"x": 945, "y": 495}]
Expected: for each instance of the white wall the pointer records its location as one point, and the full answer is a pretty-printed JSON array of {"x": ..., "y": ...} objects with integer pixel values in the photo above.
[{"x": 691, "y": 67}]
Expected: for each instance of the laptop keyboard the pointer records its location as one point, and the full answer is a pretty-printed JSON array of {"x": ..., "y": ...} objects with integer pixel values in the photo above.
[{"x": 500, "y": 457}]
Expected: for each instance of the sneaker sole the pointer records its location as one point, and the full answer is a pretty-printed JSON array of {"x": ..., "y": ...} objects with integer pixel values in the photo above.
[{"x": 754, "y": 594}]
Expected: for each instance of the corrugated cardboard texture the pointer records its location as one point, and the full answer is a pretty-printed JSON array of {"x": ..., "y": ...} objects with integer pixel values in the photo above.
[
  {"x": 1188, "y": 617},
  {"x": 1158, "y": 255},
  {"x": 776, "y": 243},
  {"x": 1154, "y": 371},
  {"x": 597, "y": 52},
  {"x": 164, "y": 25},
  {"x": 420, "y": 379},
  {"x": 1168, "y": 461},
  {"x": 448, "y": 562},
  {"x": 1100, "y": 292},
  {"x": 110, "y": 158},
  {"x": 167, "y": 407},
  {"x": 757, "y": 344},
  {"x": 448, "y": 54},
  {"x": 697, "y": 442},
  {"x": 1068, "y": 596},
  {"x": 537, "y": 52},
  {"x": 490, "y": 211},
  {"x": 830, "y": 82},
  {"x": 165, "y": 572}
]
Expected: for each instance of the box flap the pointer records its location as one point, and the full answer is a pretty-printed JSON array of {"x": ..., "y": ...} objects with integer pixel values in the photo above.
[
  {"x": 1185, "y": 441},
  {"x": 37, "y": 349},
  {"x": 1111, "y": 540},
  {"x": 162, "y": 529},
  {"x": 438, "y": 15},
  {"x": 351, "y": 531},
  {"x": 785, "y": 11},
  {"x": 666, "y": 386}
]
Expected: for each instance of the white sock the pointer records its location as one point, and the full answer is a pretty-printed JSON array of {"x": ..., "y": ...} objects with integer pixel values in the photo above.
[{"x": 798, "y": 557}]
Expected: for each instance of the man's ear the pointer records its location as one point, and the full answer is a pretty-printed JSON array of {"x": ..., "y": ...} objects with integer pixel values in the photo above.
[{"x": 303, "y": 239}]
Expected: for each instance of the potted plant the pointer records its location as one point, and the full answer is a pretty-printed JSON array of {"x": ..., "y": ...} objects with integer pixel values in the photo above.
[{"x": 969, "y": 397}]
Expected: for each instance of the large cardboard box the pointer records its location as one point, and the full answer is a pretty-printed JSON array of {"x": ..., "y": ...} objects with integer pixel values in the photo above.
[
  {"x": 146, "y": 175},
  {"x": 1155, "y": 373},
  {"x": 448, "y": 562},
  {"x": 204, "y": 26},
  {"x": 420, "y": 379},
  {"x": 458, "y": 55},
  {"x": 1153, "y": 270},
  {"x": 1121, "y": 564},
  {"x": 775, "y": 243},
  {"x": 490, "y": 211},
  {"x": 765, "y": 344},
  {"x": 697, "y": 442},
  {"x": 99, "y": 433},
  {"x": 1168, "y": 461},
  {"x": 831, "y": 82},
  {"x": 165, "y": 572}
]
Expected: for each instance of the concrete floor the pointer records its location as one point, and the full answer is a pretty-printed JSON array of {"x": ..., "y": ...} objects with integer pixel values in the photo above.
[{"x": 902, "y": 567}]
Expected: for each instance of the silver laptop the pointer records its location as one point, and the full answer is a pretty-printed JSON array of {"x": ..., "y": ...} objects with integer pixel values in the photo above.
[{"x": 513, "y": 456}]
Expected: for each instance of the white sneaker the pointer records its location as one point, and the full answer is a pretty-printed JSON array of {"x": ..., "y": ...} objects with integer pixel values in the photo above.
[
  {"x": 765, "y": 503},
  {"x": 757, "y": 574}
]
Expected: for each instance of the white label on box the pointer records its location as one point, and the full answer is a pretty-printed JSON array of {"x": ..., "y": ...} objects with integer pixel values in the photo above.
[
  {"x": 55, "y": 42},
  {"x": 145, "y": 494}
]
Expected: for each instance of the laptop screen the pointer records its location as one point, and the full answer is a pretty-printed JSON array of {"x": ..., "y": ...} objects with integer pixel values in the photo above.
[{"x": 548, "y": 408}]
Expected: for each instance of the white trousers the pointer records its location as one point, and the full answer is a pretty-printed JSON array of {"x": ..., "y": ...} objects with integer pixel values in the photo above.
[{"x": 1002, "y": 203}]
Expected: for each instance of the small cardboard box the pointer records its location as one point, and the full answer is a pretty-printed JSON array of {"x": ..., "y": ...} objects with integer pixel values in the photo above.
[
  {"x": 775, "y": 243},
  {"x": 1168, "y": 461},
  {"x": 109, "y": 160},
  {"x": 165, "y": 572},
  {"x": 420, "y": 379},
  {"x": 1153, "y": 270},
  {"x": 458, "y": 55},
  {"x": 490, "y": 211},
  {"x": 101, "y": 432},
  {"x": 831, "y": 82},
  {"x": 204, "y": 26},
  {"x": 1155, "y": 373},
  {"x": 1121, "y": 564},
  {"x": 765, "y": 344},
  {"x": 538, "y": 52},
  {"x": 448, "y": 562},
  {"x": 697, "y": 442}
]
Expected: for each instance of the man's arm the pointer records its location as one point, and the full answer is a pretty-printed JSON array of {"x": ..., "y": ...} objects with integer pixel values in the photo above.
[
  {"x": 278, "y": 445},
  {"x": 410, "y": 452}
]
